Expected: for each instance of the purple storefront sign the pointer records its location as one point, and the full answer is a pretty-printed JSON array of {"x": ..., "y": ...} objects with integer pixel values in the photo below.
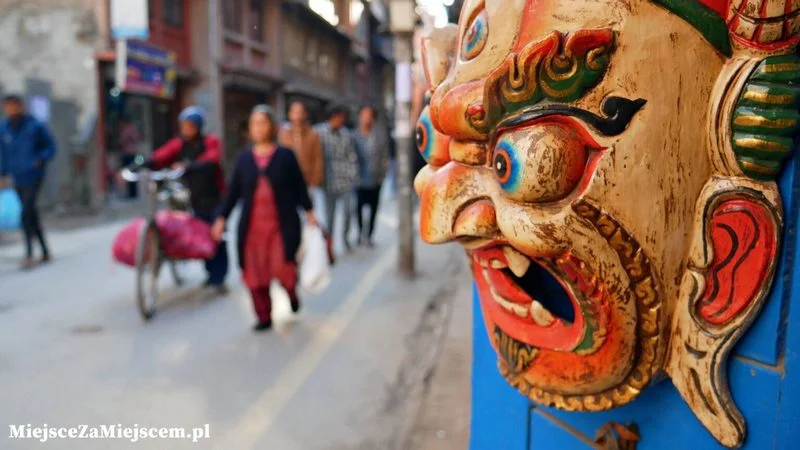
[{"x": 148, "y": 70}]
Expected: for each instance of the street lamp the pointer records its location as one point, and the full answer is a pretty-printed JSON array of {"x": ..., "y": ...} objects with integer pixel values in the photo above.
[{"x": 402, "y": 21}]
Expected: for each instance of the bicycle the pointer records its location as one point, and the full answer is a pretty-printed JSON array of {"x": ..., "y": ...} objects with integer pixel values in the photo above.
[{"x": 163, "y": 190}]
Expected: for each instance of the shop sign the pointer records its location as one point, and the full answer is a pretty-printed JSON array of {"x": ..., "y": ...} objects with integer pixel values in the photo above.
[{"x": 145, "y": 69}]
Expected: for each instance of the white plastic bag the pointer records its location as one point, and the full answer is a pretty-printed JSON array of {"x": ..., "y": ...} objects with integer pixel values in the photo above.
[{"x": 315, "y": 274}]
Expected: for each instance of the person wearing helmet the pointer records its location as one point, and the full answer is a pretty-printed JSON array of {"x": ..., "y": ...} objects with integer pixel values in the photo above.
[{"x": 200, "y": 155}]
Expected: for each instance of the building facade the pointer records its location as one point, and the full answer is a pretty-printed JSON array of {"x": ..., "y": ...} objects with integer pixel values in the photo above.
[
  {"x": 51, "y": 48},
  {"x": 226, "y": 56}
]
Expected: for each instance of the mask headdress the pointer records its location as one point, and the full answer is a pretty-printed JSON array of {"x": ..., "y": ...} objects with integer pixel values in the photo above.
[
  {"x": 766, "y": 116},
  {"x": 765, "y": 25},
  {"x": 706, "y": 17}
]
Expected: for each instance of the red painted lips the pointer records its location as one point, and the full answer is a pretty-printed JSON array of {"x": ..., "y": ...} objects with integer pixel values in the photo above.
[{"x": 499, "y": 270}]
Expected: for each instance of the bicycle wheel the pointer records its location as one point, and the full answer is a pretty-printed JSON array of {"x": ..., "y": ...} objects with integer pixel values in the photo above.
[{"x": 148, "y": 265}]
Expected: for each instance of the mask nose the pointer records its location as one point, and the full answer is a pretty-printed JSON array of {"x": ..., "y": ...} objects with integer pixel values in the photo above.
[
  {"x": 455, "y": 204},
  {"x": 477, "y": 220}
]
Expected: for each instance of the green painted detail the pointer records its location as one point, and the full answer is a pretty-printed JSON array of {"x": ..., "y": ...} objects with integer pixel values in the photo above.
[
  {"x": 704, "y": 19},
  {"x": 781, "y": 69},
  {"x": 573, "y": 88},
  {"x": 545, "y": 79},
  {"x": 769, "y": 94},
  {"x": 588, "y": 341},
  {"x": 770, "y": 121},
  {"x": 766, "y": 119},
  {"x": 561, "y": 90},
  {"x": 767, "y": 170},
  {"x": 774, "y": 148}
]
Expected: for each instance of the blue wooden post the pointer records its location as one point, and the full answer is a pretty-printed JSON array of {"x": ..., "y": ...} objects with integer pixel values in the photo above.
[{"x": 764, "y": 375}]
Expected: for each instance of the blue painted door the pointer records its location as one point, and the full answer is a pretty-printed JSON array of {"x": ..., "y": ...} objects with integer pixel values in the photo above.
[{"x": 764, "y": 375}]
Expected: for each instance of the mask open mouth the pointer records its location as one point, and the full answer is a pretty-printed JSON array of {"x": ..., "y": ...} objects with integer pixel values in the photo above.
[
  {"x": 545, "y": 303},
  {"x": 542, "y": 286}
]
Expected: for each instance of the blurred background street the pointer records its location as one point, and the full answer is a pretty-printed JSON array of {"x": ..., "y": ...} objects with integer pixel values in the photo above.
[
  {"x": 376, "y": 360},
  {"x": 357, "y": 369},
  {"x": 91, "y": 88}
]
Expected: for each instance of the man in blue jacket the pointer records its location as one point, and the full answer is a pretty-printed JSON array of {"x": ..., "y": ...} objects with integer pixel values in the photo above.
[{"x": 25, "y": 148}]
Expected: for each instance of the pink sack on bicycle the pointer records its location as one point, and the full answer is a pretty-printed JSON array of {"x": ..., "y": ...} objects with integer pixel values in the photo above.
[
  {"x": 184, "y": 236},
  {"x": 124, "y": 248}
]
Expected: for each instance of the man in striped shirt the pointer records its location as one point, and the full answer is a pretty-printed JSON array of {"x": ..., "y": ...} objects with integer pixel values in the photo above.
[{"x": 341, "y": 168}]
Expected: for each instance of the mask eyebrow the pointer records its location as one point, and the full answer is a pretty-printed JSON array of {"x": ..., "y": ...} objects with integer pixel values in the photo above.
[
  {"x": 559, "y": 68},
  {"x": 617, "y": 115}
]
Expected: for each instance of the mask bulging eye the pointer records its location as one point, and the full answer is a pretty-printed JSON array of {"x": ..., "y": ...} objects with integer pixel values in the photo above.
[
  {"x": 502, "y": 163},
  {"x": 475, "y": 38},
  {"x": 432, "y": 145},
  {"x": 421, "y": 137},
  {"x": 542, "y": 162}
]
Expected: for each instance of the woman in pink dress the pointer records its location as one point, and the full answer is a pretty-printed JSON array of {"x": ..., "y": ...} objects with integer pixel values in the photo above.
[{"x": 268, "y": 181}]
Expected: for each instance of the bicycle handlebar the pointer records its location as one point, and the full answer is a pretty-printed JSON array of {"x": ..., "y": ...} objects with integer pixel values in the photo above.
[{"x": 154, "y": 175}]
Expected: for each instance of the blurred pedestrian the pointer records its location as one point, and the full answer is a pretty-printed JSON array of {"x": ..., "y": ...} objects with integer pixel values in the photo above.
[
  {"x": 200, "y": 155},
  {"x": 26, "y": 147},
  {"x": 341, "y": 168},
  {"x": 299, "y": 137},
  {"x": 267, "y": 179},
  {"x": 372, "y": 143},
  {"x": 129, "y": 140}
]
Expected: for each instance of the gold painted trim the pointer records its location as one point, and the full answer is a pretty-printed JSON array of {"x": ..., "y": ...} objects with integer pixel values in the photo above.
[
  {"x": 755, "y": 167},
  {"x": 593, "y": 58},
  {"x": 567, "y": 63},
  {"x": 783, "y": 67},
  {"x": 758, "y": 121},
  {"x": 761, "y": 144},
  {"x": 765, "y": 97},
  {"x": 650, "y": 322}
]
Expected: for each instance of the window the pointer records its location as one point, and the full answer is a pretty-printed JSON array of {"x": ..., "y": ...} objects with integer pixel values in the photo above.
[
  {"x": 293, "y": 46},
  {"x": 312, "y": 56},
  {"x": 172, "y": 12},
  {"x": 232, "y": 16},
  {"x": 256, "y": 23},
  {"x": 329, "y": 62}
]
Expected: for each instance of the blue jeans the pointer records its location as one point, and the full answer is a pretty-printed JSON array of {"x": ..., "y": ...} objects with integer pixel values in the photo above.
[
  {"x": 217, "y": 266},
  {"x": 331, "y": 200}
]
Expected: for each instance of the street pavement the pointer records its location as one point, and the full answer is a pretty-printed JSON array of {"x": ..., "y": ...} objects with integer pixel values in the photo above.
[{"x": 352, "y": 371}]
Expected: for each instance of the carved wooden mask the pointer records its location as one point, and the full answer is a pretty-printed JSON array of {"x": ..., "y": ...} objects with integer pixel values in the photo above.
[{"x": 609, "y": 167}]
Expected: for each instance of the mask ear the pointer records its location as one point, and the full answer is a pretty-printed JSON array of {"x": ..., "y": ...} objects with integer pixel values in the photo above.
[
  {"x": 438, "y": 50},
  {"x": 722, "y": 292}
]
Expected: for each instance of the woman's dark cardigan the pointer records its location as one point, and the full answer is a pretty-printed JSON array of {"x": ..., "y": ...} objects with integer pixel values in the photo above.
[{"x": 288, "y": 186}]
